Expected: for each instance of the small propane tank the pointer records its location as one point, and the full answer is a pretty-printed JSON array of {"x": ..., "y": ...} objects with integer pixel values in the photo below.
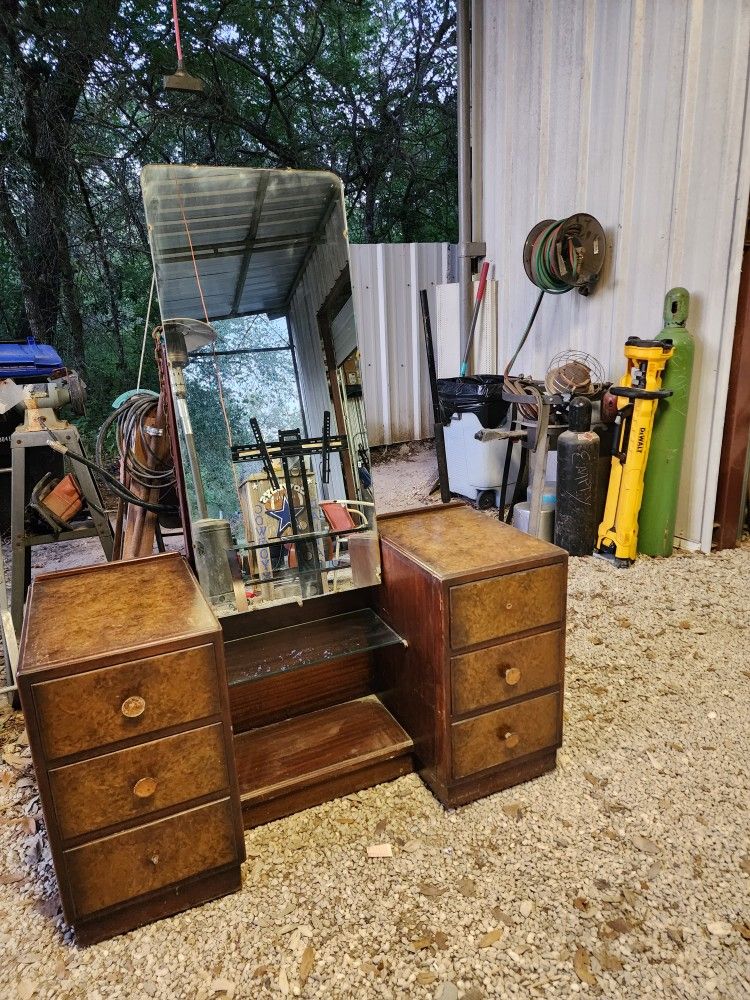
[
  {"x": 661, "y": 485},
  {"x": 577, "y": 469}
]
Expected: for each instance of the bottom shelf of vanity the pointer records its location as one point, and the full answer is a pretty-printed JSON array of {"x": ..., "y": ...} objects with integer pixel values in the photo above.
[{"x": 303, "y": 761}]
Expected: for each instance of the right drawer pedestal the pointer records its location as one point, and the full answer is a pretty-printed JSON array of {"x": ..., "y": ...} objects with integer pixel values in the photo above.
[{"x": 480, "y": 685}]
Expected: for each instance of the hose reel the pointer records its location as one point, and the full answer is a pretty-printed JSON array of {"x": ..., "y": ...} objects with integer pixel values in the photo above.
[{"x": 559, "y": 255}]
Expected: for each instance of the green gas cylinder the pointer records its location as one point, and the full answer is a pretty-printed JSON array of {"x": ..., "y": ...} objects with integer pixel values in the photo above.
[{"x": 662, "y": 482}]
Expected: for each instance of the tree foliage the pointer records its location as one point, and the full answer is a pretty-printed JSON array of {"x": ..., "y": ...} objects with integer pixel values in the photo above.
[{"x": 364, "y": 89}]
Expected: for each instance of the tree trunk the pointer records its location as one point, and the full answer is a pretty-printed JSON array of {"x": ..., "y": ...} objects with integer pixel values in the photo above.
[
  {"x": 48, "y": 99},
  {"x": 71, "y": 307},
  {"x": 105, "y": 269}
]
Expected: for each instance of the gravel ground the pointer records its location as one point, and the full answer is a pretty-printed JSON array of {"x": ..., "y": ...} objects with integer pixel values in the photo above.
[
  {"x": 623, "y": 874},
  {"x": 403, "y": 476}
]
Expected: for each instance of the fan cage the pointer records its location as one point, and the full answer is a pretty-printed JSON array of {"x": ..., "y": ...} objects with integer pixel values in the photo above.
[{"x": 574, "y": 373}]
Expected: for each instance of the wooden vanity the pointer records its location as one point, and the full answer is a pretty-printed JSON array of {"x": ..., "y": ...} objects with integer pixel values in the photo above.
[
  {"x": 156, "y": 733},
  {"x": 452, "y": 667}
]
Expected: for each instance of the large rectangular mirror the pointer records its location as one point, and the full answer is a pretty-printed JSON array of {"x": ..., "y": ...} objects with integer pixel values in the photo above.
[{"x": 258, "y": 328}]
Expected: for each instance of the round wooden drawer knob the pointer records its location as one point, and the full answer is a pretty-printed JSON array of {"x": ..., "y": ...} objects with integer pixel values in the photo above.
[
  {"x": 144, "y": 788},
  {"x": 133, "y": 707},
  {"x": 512, "y": 675},
  {"x": 511, "y": 740}
]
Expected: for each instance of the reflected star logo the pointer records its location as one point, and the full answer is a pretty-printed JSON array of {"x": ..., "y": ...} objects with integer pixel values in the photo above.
[{"x": 284, "y": 515}]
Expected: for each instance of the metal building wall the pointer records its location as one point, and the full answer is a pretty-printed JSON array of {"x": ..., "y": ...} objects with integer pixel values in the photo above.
[
  {"x": 386, "y": 280},
  {"x": 636, "y": 111},
  {"x": 317, "y": 280}
]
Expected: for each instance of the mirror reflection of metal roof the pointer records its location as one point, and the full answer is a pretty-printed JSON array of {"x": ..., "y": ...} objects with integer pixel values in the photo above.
[{"x": 231, "y": 241}]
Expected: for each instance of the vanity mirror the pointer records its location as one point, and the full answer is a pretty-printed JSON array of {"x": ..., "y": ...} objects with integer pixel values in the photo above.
[{"x": 259, "y": 339}]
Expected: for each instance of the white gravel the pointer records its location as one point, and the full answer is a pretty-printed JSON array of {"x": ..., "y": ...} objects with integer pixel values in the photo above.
[
  {"x": 623, "y": 874},
  {"x": 403, "y": 476}
]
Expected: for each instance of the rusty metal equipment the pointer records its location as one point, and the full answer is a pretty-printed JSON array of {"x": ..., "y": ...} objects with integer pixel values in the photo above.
[
  {"x": 43, "y": 427},
  {"x": 181, "y": 79}
]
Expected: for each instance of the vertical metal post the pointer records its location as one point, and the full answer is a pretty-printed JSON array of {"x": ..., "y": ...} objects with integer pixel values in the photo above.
[
  {"x": 464, "y": 172},
  {"x": 8, "y": 639},
  {"x": 20, "y": 572}
]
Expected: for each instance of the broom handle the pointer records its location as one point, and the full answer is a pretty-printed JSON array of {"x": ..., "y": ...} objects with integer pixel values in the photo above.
[
  {"x": 477, "y": 303},
  {"x": 177, "y": 39}
]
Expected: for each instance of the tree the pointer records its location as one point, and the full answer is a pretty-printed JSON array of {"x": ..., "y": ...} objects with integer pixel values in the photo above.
[
  {"x": 366, "y": 90},
  {"x": 49, "y": 54}
]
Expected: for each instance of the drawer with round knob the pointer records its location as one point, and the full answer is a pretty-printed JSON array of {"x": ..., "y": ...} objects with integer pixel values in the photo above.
[
  {"x": 505, "y": 734},
  {"x": 512, "y": 669},
  {"x": 89, "y": 710},
  {"x": 131, "y": 783},
  {"x": 484, "y": 610},
  {"x": 141, "y": 860}
]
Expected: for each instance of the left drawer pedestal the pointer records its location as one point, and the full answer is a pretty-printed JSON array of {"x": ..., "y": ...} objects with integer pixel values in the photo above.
[{"x": 131, "y": 740}]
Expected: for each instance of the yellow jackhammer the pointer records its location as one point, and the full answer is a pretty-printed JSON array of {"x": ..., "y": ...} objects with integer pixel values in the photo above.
[{"x": 637, "y": 397}]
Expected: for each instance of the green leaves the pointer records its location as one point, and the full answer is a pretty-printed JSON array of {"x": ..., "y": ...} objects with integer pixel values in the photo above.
[{"x": 366, "y": 90}]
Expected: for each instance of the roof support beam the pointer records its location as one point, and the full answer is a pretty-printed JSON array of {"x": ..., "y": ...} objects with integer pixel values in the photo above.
[
  {"x": 208, "y": 251},
  {"x": 316, "y": 240},
  {"x": 250, "y": 242}
]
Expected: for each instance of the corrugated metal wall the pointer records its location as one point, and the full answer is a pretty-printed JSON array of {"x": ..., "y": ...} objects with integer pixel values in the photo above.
[
  {"x": 386, "y": 279},
  {"x": 318, "y": 278},
  {"x": 633, "y": 110}
]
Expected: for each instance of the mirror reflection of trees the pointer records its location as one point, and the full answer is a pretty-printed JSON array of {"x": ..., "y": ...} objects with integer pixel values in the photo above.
[{"x": 258, "y": 381}]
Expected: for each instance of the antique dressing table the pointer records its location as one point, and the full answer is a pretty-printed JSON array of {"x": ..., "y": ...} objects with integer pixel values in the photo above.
[{"x": 319, "y": 650}]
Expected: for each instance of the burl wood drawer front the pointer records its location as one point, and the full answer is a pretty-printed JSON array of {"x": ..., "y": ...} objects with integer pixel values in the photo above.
[
  {"x": 498, "y": 673},
  {"x": 505, "y": 734},
  {"x": 98, "y": 707},
  {"x": 132, "y": 783},
  {"x": 503, "y": 605},
  {"x": 126, "y": 865}
]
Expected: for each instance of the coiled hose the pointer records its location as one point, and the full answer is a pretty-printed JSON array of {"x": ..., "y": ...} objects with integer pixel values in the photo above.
[
  {"x": 130, "y": 418},
  {"x": 552, "y": 264}
]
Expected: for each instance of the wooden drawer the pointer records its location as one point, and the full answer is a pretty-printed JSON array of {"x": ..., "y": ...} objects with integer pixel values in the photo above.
[
  {"x": 134, "y": 782},
  {"x": 505, "y": 734},
  {"x": 126, "y": 865},
  {"x": 497, "y": 673},
  {"x": 84, "y": 711},
  {"x": 491, "y": 609}
]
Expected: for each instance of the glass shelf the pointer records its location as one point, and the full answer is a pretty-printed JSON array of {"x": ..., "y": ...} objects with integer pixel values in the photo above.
[{"x": 297, "y": 646}]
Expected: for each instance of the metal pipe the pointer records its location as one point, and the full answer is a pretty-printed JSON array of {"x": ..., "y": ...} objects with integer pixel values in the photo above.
[
  {"x": 464, "y": 172},
  {"x": 187, "y": 431}
]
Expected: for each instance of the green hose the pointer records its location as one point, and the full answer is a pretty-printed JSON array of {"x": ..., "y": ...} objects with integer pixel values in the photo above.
[{"x": 548, "y": 270}]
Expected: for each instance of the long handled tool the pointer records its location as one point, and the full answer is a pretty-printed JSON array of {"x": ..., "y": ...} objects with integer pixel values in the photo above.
[
  {"x": 445, "y": 492},
  {"x": 181, "y": 79},
  {"x": 475, "y": 316}
]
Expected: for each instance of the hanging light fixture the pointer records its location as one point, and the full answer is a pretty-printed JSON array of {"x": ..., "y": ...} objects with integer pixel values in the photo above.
[{"x": 181, "y": 79}]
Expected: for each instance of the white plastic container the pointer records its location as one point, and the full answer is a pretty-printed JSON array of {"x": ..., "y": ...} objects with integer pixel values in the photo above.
[{"x": 476, "y": 467}]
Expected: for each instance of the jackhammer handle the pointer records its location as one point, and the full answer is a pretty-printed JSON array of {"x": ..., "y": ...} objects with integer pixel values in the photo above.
[{"x": 629, "y": 392}]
